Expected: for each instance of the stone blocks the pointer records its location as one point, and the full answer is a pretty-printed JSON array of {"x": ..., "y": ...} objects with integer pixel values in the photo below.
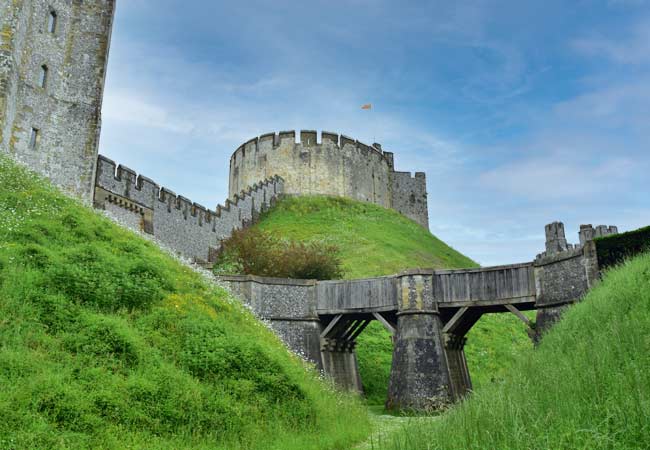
[{"x": 52, "y": 123}]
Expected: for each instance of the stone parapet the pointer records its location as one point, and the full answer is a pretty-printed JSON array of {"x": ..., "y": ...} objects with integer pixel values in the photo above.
[{"x": 188, "y": 228}]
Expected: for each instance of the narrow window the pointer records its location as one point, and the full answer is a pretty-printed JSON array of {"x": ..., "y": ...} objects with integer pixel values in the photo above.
[
  {"x": 43, "y": 78},
  {"x": 36, "y": 136},
  {"x": 51, "y": 22}
]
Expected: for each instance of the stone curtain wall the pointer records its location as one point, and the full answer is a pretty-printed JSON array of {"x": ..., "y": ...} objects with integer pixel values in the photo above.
[
  {"x": 337, "y": 165},
  {"x": 66, "y": 111},
  {"x": 565, "y": 272},
  {"x": 288, "y": 305},
  {"x": 409, "y": 196},
  {"x": 188, "y": 228}
]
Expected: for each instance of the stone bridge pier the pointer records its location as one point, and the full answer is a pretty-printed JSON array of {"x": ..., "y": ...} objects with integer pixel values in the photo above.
[{"x": 419, "y": 377}]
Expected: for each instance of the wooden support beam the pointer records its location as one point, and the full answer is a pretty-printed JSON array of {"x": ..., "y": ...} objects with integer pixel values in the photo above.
[
  {"x": 358, "y": 331},
  {"x": 350, "y": 328},
  {"x": 391, "y": 329},
  {"x": 519, "y": 314},
  {"x": 455, "y": 320},
  {"x": 330, "y": 326}
]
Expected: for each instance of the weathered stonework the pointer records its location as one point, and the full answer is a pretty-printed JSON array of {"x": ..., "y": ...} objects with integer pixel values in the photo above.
[
  {"x": 419, "y": 377},
  {"x": 565, "y": 272},
  {"x": 187, "y": 228},
  {"x": 64, "y": 105},
  {"x": 337, "y": 166}
]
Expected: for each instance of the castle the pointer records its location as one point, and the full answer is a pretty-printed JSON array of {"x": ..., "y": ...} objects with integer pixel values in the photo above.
[
  {"x": 53, "y": 58},
  {"x": 338, "y": 166}
]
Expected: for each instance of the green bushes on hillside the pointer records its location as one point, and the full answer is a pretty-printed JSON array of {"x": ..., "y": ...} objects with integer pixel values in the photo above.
[
  {"x": 614, "y": 249},
  {"x": 107, "y": 342},
  {"x": 255, "y": 252},
  {"x": 587, "y": 386}
]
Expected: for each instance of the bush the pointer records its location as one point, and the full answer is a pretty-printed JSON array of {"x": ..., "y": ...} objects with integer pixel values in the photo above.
[
  {"x": 257, "y": 252},
  {"x": 616, "y": 248}
]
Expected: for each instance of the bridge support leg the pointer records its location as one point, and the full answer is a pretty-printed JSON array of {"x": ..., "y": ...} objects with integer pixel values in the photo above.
[
  {"x": 461, "y": 383},
  {"x": 545, "y": 318},
  {"x": 419, "y": 378},
  {"x": 340, "y": 363},
  {"x": 338, "y": 341}
]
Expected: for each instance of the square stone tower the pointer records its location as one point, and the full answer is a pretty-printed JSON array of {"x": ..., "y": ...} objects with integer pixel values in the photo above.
[{"x": 53, "y": 56}]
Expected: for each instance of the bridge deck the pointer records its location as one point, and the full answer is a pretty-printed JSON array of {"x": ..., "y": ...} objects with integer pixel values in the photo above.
[{"x": 480, "y": 287}]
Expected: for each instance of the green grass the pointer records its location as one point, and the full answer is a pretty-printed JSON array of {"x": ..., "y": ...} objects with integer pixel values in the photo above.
[
  {"x": 375, "y": 241},
  {"x": 106, "y": 342},
  {"x": 372, "y": 240},
  {"x": 586, "y": 387}
]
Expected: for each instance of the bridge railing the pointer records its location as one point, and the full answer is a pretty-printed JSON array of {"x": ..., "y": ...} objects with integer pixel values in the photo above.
[
  {"x": 487, "y": 285},
  {"x": 341, "y": 296}
]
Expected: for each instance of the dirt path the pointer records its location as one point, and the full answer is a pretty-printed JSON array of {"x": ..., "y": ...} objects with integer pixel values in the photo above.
[{"x": 384, "y": 425}]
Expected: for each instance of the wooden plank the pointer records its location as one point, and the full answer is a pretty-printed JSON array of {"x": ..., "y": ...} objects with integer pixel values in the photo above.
[
  {"x": 518, "y": 313},
  {"x": 358, "y": 331},
  {"x": 331, "y": 325},
  {"x": 350, "y": 329},
  {"x": 453, "y": 322},
  {"x": 385, "y": 323},
  {"x": 488, "y": 302}
]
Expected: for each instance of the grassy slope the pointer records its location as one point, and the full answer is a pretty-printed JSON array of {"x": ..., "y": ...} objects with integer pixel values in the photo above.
[
  {"x": 586, "y": 387},
  {"x": 376, "y": 241},
  {"x": 107, "y": 342}
]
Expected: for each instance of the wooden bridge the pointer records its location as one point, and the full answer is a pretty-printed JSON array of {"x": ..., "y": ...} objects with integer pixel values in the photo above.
[{"x": 428, "y": 313}]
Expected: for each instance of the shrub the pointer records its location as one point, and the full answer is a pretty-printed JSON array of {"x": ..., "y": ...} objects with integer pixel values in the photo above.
[
  {"x": 616, "y": 248},
  {"x": 257, "y": 252}
]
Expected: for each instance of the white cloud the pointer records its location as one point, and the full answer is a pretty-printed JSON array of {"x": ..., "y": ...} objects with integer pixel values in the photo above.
[
  {"x": 632, "y": 49},
  {"x": 554, "y": 178},
  {"x": 128, "y": 107}
]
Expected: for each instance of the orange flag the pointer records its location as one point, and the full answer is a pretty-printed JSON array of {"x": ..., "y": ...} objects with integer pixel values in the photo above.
[{"x": 367, "y": 106}]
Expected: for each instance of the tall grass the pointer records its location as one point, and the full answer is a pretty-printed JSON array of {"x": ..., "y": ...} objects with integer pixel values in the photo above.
[
  {"x": 586, "y": 387},
  {"x": 374, "y": 241},
  {"x": 108, "y": 343}
]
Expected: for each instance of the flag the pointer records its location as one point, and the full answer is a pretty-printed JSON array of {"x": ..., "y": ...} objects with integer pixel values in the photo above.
[{"x": 367, "y": 106}]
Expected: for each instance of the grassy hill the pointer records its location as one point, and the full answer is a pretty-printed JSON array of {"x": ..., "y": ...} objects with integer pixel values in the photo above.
[
  {"x": 107, "y": 342},
  {"x": 587, "y": 386},
  {"x": 376, "y": 241}
]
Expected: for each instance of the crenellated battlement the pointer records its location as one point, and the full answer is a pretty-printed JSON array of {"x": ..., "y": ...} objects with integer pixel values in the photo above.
[
  {"x": 185, "y": 226},
  {"x": 306, "y": 138},
  {"x": 556, "y": 242}
]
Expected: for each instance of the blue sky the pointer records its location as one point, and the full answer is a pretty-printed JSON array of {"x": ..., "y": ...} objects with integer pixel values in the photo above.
[{"x": 520, "y": 113}]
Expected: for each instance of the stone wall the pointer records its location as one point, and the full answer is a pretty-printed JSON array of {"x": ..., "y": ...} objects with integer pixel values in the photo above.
[
  {"x": 64, "y": 105},
  {"x": 565, "y": 272},
  {"x": 337, "y": 165},
  {"x": 289, "y": 306},
  {"x": 188, "y": 228},
  {"x": 409, "y": 196}
]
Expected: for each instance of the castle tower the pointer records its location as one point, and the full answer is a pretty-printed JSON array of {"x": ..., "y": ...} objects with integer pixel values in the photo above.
[
  {"x": 53, "y": 56},
  {"x": 555, "y": 238},
  {"x": 337, "y": 166}
]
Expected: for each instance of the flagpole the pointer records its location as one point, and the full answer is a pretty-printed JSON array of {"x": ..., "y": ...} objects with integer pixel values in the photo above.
[{"x": 373, "y": 124}]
